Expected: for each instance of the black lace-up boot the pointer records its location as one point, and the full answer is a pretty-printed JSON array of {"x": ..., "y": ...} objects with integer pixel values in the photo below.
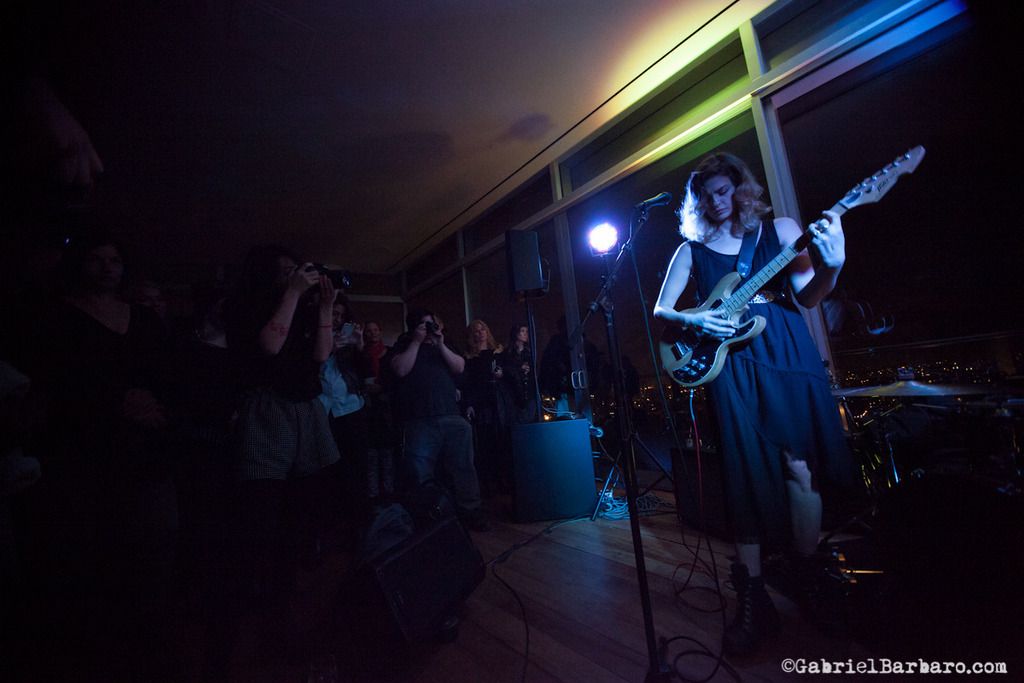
[{"x": 755, "y": 618}]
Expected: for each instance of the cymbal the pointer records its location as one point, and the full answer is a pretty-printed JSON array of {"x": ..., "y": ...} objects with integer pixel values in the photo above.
[{"x": 912, "y": 388}]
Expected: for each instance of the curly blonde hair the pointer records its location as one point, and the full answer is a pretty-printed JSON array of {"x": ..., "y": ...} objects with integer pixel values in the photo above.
[
  {"x": 492, "y": 344},
  {"x": 746, "y": 199}
]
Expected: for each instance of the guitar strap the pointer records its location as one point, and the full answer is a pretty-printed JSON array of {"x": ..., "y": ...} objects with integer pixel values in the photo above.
[{"x": 746, "y": 256}]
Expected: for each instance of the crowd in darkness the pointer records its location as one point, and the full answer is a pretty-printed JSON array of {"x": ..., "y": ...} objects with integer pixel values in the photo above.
[{"x": 160, "y": 470}]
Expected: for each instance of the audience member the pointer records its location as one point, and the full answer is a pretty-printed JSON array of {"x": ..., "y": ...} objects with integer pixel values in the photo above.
[
  {"x": 105, "y": 513},
  {"x": 518, "y": 379},
  {"x": 342, "y": 398},
  {"x": 348, "y": 334},
  {"x": 149, "y": 294},
  {"x": 556, "y": 367},
  {"x": 19, "y": 413},
  {"x": 204, "y": 394},
  {"x": 434, "y": 432},
  {"x": 381, "y": 453},
  {"x": 486, "y": 406},
  {"x": 279, "y": 325},
  {"x": 374, "y": 349}
]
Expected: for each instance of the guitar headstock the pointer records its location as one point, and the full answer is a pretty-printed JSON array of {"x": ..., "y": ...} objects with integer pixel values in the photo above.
[{"x": 873, "y": 188}]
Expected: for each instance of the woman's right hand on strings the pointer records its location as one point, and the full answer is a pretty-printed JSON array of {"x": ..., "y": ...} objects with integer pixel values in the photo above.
[
  {"x": 710, "y": 323},
  {"x": 302, "y": 278}
]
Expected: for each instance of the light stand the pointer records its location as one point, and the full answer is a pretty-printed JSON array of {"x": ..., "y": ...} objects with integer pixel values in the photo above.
[
  {"x": 658, "y": 671},
  {"x": 670, "y": 422}
]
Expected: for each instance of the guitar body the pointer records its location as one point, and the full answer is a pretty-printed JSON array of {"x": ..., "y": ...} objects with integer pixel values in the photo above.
[{"x": 692, "y": 359}]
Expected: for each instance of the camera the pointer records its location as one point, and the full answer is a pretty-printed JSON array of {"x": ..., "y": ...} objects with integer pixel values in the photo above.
[
  {"x": 341, "y": 279},
  {"x": 431, "y": 327}
]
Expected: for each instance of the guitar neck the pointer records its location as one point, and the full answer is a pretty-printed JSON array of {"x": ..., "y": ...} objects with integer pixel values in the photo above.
[{"x": 742, "y": 296}]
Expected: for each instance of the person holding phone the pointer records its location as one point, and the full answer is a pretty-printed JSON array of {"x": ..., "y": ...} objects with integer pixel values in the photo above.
[
  {"x": 343, "y": 399},
  {"x": 348, "y": 334}
]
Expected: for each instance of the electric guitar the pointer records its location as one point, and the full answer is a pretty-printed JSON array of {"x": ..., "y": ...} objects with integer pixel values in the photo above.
[{"x": 691, "y": 358}]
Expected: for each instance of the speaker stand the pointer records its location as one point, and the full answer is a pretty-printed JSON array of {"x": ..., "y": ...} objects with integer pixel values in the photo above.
[{"x": 538, "y": 408}]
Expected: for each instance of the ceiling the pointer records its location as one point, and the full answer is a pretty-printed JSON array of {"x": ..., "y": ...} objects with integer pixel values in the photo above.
[{"x": 359, "y": 133}]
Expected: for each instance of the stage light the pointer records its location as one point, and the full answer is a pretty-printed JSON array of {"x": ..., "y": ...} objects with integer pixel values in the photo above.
[{"x": 602, "y": 239}]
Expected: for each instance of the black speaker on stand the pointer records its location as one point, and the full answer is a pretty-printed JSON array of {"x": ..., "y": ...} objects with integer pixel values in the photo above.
[
  {"x": 526, "y": 280},
  {"x": 522, "y": 257}
]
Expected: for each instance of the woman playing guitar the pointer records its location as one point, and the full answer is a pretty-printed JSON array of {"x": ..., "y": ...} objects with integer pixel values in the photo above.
[{"x": 780, "y": 431}]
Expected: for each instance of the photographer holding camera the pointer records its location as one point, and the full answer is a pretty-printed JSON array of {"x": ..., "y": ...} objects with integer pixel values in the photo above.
[
  {"x": 278, "y": 326},
  {"x": 433, "y": 430}
]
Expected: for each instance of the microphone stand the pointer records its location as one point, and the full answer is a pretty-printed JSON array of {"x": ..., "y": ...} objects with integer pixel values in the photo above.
[{"x": 658, "y": 671}]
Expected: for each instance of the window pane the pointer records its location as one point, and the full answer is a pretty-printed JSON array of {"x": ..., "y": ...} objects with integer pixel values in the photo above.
[
  {"x": 550, "y": 307},
  {"x": 938, "y": 256},
  {"x": 487, "y": 282},
  {"x": 801, "y": 23}
]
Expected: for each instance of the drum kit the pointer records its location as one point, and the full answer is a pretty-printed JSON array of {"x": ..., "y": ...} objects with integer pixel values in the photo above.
[
  {"x": 912, "y": 428},
  {"x": 942, "y": 468}
]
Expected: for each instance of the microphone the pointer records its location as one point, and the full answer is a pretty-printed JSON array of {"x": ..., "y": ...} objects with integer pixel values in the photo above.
[{"x": 659, "y": 200}]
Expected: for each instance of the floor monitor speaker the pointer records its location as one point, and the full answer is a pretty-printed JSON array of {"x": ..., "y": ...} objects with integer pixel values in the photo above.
[{"x": 407, "y": 593}]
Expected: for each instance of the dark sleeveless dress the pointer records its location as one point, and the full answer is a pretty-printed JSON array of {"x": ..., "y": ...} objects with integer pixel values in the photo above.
[{"x": 771, "y": 397}]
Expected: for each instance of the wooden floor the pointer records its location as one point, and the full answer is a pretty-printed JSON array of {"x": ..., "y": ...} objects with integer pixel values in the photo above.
[
  {"x": 950, "y": 591},
  {"x": 578, "y": 585},
  {"x": 578, "y": 588},
  {"x": 581, "y": 604}
]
